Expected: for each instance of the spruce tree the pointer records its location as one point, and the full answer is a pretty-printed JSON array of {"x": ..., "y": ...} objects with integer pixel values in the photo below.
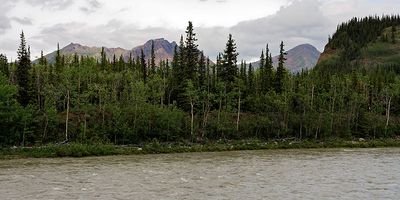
[
  {"x": 243, "y": 74},
  {"x": 191, "y": 54},
  {"x": 152, "y": 58},
  {"x": 59, "y": 60},
  {"x": 268, "y": 70},
  {"x": 131, "y": 62},
  {"x": 263, "y": 80},
  {"x": 280, "y": 71},
  {"x": 143, "y": 66},
  {"x": 250, "y": 80},
  {"x": 4, "y": 65},
  {"x": 202, "y": 71},
  {"x": 42, "y": 59},
  {"x": 121, "y": 63},
  {"x": 114, "y": 63},
  {"x": 229, "y": 67},
  {"x": 22, "y": 72},
  {"x": 103, "y": 59}
]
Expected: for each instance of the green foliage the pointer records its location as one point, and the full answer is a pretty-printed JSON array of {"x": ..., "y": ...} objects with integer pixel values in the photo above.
[
  {"x": 121, "y": 102},
  {"x": 22, "y": 73}
]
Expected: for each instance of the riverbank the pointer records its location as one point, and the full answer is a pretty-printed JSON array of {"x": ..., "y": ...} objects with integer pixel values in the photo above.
[{"x": 82, "y": 150}]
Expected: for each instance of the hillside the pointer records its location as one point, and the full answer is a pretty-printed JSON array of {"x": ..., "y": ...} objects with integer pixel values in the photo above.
[
  {"x": 354, "y": 46},
  {"x": 301, "y": 57},
  {"x": 163, "y": 50}
]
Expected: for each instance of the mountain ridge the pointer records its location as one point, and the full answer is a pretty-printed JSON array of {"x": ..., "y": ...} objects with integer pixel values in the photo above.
[
  {"x": 163, "y": 50},
  {"x": 301, "y": 57}
]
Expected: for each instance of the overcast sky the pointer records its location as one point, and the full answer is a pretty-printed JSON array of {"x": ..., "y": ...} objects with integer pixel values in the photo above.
[{"x": 129, "y": 23}]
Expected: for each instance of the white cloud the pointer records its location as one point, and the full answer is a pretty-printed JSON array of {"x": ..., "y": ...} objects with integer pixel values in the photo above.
[{"x": 123, "y": 23}]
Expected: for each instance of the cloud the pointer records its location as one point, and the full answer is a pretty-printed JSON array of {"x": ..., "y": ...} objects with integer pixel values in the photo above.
[
  {"x": 115, "y": 33},
  {"x": 51, "y": 4},
  {"x": 298, "y": 23},
  {"x": 23, "y": 21},
  {"x": 93, "y": 6},
  {"x": 91, "y": 22},
  {"x": 5, "y": 22}
]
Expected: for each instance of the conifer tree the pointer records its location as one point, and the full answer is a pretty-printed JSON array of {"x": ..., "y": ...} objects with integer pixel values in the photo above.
[
  {"x": 229, "y": 67},
  {"x": 103, "y": 59},
  {"x": 175, "y": 67},
  {"x": 152, "y": 58},
  {"x": 121, "y": 63},
  {"x": 250, "y": 81},
  {"x": 191, "y": 54},
  {"x": 280, "y": 71},
  {"x": 114, "y": 63},
  {"x": 75, "y": 61},
  {"x": 202, "y": 71},
  {"x": 143, "y": 66},
  {"x": 263, "y": 80},
  {"x": 131, "y": 62},
  {"x": 22, "y": 73},
  {"x": 59, "y": 60},
  {"x": 4, "y": 65},
  {"x": 268, "y": 70}
]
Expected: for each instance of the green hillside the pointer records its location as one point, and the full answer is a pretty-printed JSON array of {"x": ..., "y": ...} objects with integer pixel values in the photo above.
[{"x": 362, "y": 44}]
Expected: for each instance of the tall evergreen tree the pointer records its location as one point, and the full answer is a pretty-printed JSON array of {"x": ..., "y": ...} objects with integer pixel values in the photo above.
[
  {"x": 121, "y": 63},
  {"x": 229, "y": 67},
  {"x": 59, "y": 60},
  {"x": 263, "y": 80},
  {"x": 280, "y": 71},
  {"x": 191, "y": 54},
  {"x": 22, "y": 73},
  {"x": 4, "y": 65},
  {"x": 143, "y": 66},
  {"x": 202, "y": 71},
  {"x": 103, "y": 58},
  {"x": 42, "y": 59},
  {"x": 250, "y": 80},
  {"x": 114, "y": 63},
  {"x": 152, "y": 58},
  {"x": 269, "y": 70},
  {"x": 131, "y": 62}
]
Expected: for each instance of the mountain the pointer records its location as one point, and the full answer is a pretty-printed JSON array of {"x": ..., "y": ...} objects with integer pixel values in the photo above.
[
  {"x": 163, "y": 49},
  {"x": 304, "y": 56}
]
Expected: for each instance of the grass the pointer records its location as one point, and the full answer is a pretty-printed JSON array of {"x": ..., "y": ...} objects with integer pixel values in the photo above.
[{"x": 82, "y": 150}]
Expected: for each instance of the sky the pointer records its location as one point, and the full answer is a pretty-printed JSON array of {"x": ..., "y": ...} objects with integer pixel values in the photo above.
[{"x": 130, "y": 23}]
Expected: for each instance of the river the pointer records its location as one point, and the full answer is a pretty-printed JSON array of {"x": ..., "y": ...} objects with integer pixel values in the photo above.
[{"x": 270, "y": 174}]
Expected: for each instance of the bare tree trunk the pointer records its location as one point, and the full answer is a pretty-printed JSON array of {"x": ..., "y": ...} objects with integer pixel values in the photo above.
[
  {"x": 333, "y": 108},
  {"x": 67, "y": 117},
  {"x": 205, "y": 114},
  {"x": 84, "y": 128},
  {"x": 238, "y": 114},
  {"x": 219, "y": 111},
  {"x": 312, "y": 97},
  {"x": 38, "y": 89},
  {"x": 192, "y": 117},
  {"x": 45, "y": 126},
  {"x": 388, "y": 113}
]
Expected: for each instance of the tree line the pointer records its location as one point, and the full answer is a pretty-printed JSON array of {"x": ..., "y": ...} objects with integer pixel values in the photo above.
[{"x": 188, "y": 99}]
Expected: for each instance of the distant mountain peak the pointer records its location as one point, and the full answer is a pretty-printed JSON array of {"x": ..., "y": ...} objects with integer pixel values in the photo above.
[
  {"x": 163, "y": 50},
  {"x": 304, "y": 56}
]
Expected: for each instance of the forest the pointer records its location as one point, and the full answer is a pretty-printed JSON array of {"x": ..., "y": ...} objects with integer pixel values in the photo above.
[{"x": 191, "y": 99}]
